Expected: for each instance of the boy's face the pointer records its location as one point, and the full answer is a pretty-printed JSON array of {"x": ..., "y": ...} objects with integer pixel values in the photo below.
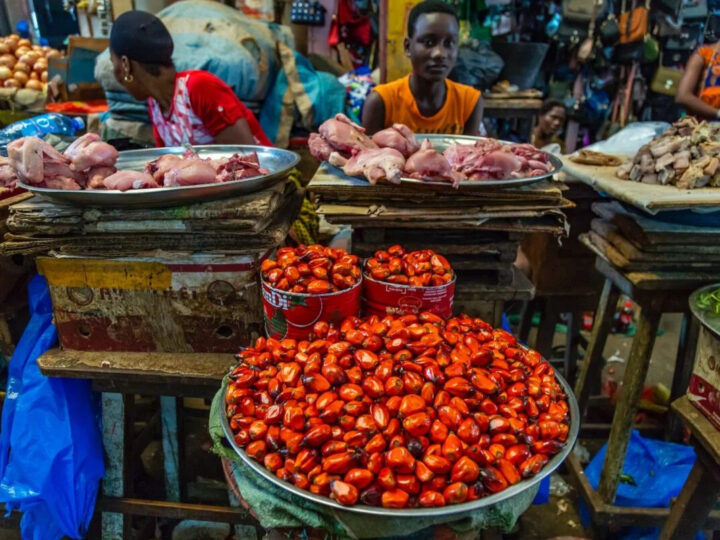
[{"x": 433, "y": 48}]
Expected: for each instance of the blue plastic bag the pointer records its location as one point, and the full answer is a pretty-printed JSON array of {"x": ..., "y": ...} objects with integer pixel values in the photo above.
[
  {"x": 658, "y": 471},
  {"x": 51, "y": 455}
]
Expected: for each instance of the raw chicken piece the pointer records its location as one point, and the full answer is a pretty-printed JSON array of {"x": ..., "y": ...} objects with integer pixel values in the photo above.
[
  {"x": 8, "y": 177},
  {"x": 456, "y": 154},
  {"x": 97, "y": 175},
  {"x": 344, "y": 135},
  {"x": 398, "y": 137},
  {"x": 239, "y": 167},
  {"x": 490, "y": 145},
  {"x": 61, "y": 182},
  {"x": 125, "y": 180},
  {"x": 158, "y": 167},
  {"x": 499, "y": 165},
  {"x": 190, "y": 172},
  {"x": 429, "y": 164},
  {"x": 28, "y": 156},
  {"x": 375, "y": 164},
  {"x": 319, "y": 147},
  {"x": 89, "y": 151}
]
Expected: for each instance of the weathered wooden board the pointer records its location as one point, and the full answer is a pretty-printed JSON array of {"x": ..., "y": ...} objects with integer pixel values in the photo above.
[
  {"x": 650, "y": 234},
  {"x": 650, "y": 198}
]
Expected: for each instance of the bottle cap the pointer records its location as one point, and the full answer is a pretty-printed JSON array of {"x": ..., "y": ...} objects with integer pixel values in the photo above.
[{"x": 78, "y": 123}]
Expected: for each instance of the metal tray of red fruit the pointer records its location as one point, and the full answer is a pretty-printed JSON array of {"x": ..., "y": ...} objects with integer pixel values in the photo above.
[{"x": 419, "y": 512}]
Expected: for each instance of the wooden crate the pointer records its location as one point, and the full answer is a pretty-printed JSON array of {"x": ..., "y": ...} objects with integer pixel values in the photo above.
[{"x": 192, "y": 304}]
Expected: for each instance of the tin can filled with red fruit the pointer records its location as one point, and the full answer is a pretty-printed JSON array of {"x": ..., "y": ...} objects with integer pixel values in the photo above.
[
  {"x": 398, "y": 282},
  {"x": 307, "y": 284}
]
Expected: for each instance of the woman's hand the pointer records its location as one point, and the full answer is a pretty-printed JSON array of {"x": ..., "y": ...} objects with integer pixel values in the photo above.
[{"x": 688, "y": 84}]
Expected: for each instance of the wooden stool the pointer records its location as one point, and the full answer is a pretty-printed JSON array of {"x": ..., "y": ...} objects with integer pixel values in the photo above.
[
  {"x": 119, "y": 376},
  {"x": 655, "y": 294},
  {"x": 690, "y": 511}
]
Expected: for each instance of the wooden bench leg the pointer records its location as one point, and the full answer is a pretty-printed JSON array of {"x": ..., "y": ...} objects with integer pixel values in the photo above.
[
  {"x": 633, "y": 381},
  {"x": 691, "y": 508},
  {"x": 593, "y": 363},
  {"x": 689, "y": 333},
  {"x": 115, "y": 526},
  {"x": 526, "y": 315},
  {"x": 571, "y": 345}
]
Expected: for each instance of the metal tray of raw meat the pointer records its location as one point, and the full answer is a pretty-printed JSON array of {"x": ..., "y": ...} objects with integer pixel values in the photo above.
[
  {"x": 452, "y": 509},
  {"x": 440, "y": 142},
  {"x": 278, "y": 161}
]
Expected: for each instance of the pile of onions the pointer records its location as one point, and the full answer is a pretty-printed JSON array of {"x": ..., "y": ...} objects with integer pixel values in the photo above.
[{"x": 22, "y": 64}]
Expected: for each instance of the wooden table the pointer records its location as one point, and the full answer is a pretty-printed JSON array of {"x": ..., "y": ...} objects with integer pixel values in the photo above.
[
  {"x": 119, "y": 376},
  {"x": 524, "y": 109},
  {"x": 656, "y": 294},
  {"x": 689, "y": 513}
]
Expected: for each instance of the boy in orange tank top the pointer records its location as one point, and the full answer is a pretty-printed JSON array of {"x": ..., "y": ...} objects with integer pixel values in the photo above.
[{"x": 426, "y": 100}]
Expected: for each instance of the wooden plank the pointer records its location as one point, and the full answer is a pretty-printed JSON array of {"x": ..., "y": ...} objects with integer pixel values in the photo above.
[
  {"x": 691, "y": 508},
  {"x": 511, "y": 105},
  {"x": 174, "y": 510},
  {"x": 205, "y": 369},
  {"x": 626, "y": 408},
  {"x": 703, "y": 431},
  {"x": 519, "y": 289}
]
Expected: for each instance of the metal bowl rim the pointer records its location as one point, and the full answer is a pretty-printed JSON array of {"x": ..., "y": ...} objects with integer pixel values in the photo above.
[
  {"x": 701, "y": 315},
  {"x": 447, "y": 510}
]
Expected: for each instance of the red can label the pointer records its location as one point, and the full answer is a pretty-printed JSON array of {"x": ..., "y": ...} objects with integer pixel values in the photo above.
[
  {"x": 292, "y": 315},
  {"x": 387, "y": 298}
]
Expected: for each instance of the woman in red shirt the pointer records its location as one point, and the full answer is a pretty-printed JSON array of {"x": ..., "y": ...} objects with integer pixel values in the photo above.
[{"x": 185, "y": 107}]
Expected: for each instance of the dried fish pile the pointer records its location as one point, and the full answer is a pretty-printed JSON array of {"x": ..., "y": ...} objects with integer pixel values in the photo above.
[{"x": 687, "y": 156}]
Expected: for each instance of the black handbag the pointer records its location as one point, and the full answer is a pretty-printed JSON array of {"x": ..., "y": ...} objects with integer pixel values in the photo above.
[
  {"x": 687, "y": 40},
  {"x": 712, "y": 28},
  {"x": 571, "y": 35},
  {"x": 609, "y": 31},
  {"x": 307, "y": 13},
  {"x": 671, "y": 7},
  {"x": 629, "y": 53}
]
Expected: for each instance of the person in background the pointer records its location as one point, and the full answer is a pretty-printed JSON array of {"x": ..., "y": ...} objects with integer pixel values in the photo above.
[
  {"x": 699, "y": 88},
  {"x": 426, "y": 100},
  {"x": 550, "y": 121},
  {"x": 192, "y": 107}
]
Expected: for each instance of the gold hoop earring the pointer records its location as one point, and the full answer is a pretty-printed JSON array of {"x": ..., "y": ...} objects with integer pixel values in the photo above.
[{"x": 128, "y": 78}]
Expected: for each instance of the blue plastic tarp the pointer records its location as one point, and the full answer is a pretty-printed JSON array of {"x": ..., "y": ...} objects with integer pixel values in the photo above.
[{"x": 51, "y": 456}]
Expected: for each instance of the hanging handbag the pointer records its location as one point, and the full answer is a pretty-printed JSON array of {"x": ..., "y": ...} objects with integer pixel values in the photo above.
[
  {"x": 629, "y": 53},
  {"x": 583, "y": 10},
  {"x": 712, "y": 28},
  {"x": 695, "y": 9},
  {"x": 610, "y": 30},
  {"x": 666, "y": 80},
  {"x": 633, "y": 23},
  {"x": 307, "y": 13},
  {"x": 585, "y": 49},
  {"x": 570, "y": 35},
  {"x": 688, "y": 39},
  {"x": 671, "y": 7}
]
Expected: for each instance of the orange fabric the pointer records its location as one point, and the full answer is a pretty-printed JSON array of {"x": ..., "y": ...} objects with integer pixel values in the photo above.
[
  {"x": 401, "y": 107},
  {"x": 633, "y": 25},
  {"x": 710, "y": 86}
]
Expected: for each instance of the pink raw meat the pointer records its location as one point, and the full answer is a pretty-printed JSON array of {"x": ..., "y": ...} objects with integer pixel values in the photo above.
[
  {"x": 375, "y": 164},
  {"x": 158, "y": 167},
  {"x": 398, "y": 137},
  {"x": 28, "y": 156},
  {"x": 97, "y": 175},
  {"x": 89, "y": 151},
  {"x": 239, "y": 167},
  {"x": 319, "y": 147},
  {"x": 190, "y": 172},
  {"x": 125, "y": 180},
  {"x": 429, "y": 164},
  {"x": 8, "y": 177},
  {"x": 344, "y": 135}
]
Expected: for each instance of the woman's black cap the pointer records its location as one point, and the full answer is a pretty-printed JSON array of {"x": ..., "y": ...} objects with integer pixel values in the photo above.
[{"x": 142, "y": 37}]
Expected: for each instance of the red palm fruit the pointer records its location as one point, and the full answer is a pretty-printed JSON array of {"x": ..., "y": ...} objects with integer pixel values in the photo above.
[
  {"x": 360, "y": 478},
  {"x": 273, "y": 461},
  {"x": 375, "y": 462},
  {"x": 344, "y": 492},
  {"x": 317, "y": 435},
  {"x": 395, "y": 498},
  {"x": 437, "y": 464},
  {"x": 394, "y": 386},
  {"x": 256, "y": 450},
  {"x": 452, "y": 448},
  {"x": 508, "y": 470},
  {"x": 333, "y": 447},
  {"x": 373, "y": 387},
  {"x": 456, "y": 493},
  {"x": 339, "y": 463},
  {"x": 438, "y": 431},
  {"x": 410, "y": 404},
  {"x": 332, "y": 412},
  {"x": 408, "y": 483},
  {"x": 423, "y": 473},
  {"x": 380, "y": 414},
  {"x": 376, "y": 444},
  {"x": 386, "y": 479},
  {"x": 417, "y": 424},
  {"x": 400, "y": 460},
  {"x": 492, "y": 479},
  {"x": 469, "y": 431},
  {"x": 465, "y": 470},
  {"x": 517, "y": 454},
  {"x": 533, "y": 465}
]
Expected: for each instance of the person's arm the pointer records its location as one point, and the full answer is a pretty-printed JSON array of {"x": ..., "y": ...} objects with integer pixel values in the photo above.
[
  {"x": 472, "y": 126},
  {"x": 686, "y": 89},
  {"x": 238, "y": 133},
  {"x": 373, "y": 119}
]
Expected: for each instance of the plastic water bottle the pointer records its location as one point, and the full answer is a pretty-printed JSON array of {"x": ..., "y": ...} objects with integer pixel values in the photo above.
[{"x": 38, "y": 126}]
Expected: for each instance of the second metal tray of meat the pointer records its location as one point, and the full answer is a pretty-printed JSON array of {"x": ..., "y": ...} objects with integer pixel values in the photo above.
[
  {"x": 278, "y": 161},
  {"x": 441, "y": 142},
  {"x": 453, "y": 509}
]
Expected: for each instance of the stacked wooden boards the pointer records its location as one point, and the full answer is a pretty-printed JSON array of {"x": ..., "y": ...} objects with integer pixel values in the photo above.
[
  {"x": 254, "y": 222},
  {"x": 637, "y": 243},
  {"x": 478, "y": 229}
]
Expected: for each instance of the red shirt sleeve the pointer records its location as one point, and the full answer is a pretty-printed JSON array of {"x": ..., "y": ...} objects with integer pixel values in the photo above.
[
  {"x": 159, "y": 143},
  {"x": 218, "y": 107}
]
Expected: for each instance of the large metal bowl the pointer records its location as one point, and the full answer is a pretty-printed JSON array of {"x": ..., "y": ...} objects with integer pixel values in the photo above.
[
  {"x": 278, "y": 161},
  {"x": 441, "y": 142},
  {"x": 448, "y": 510}
]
